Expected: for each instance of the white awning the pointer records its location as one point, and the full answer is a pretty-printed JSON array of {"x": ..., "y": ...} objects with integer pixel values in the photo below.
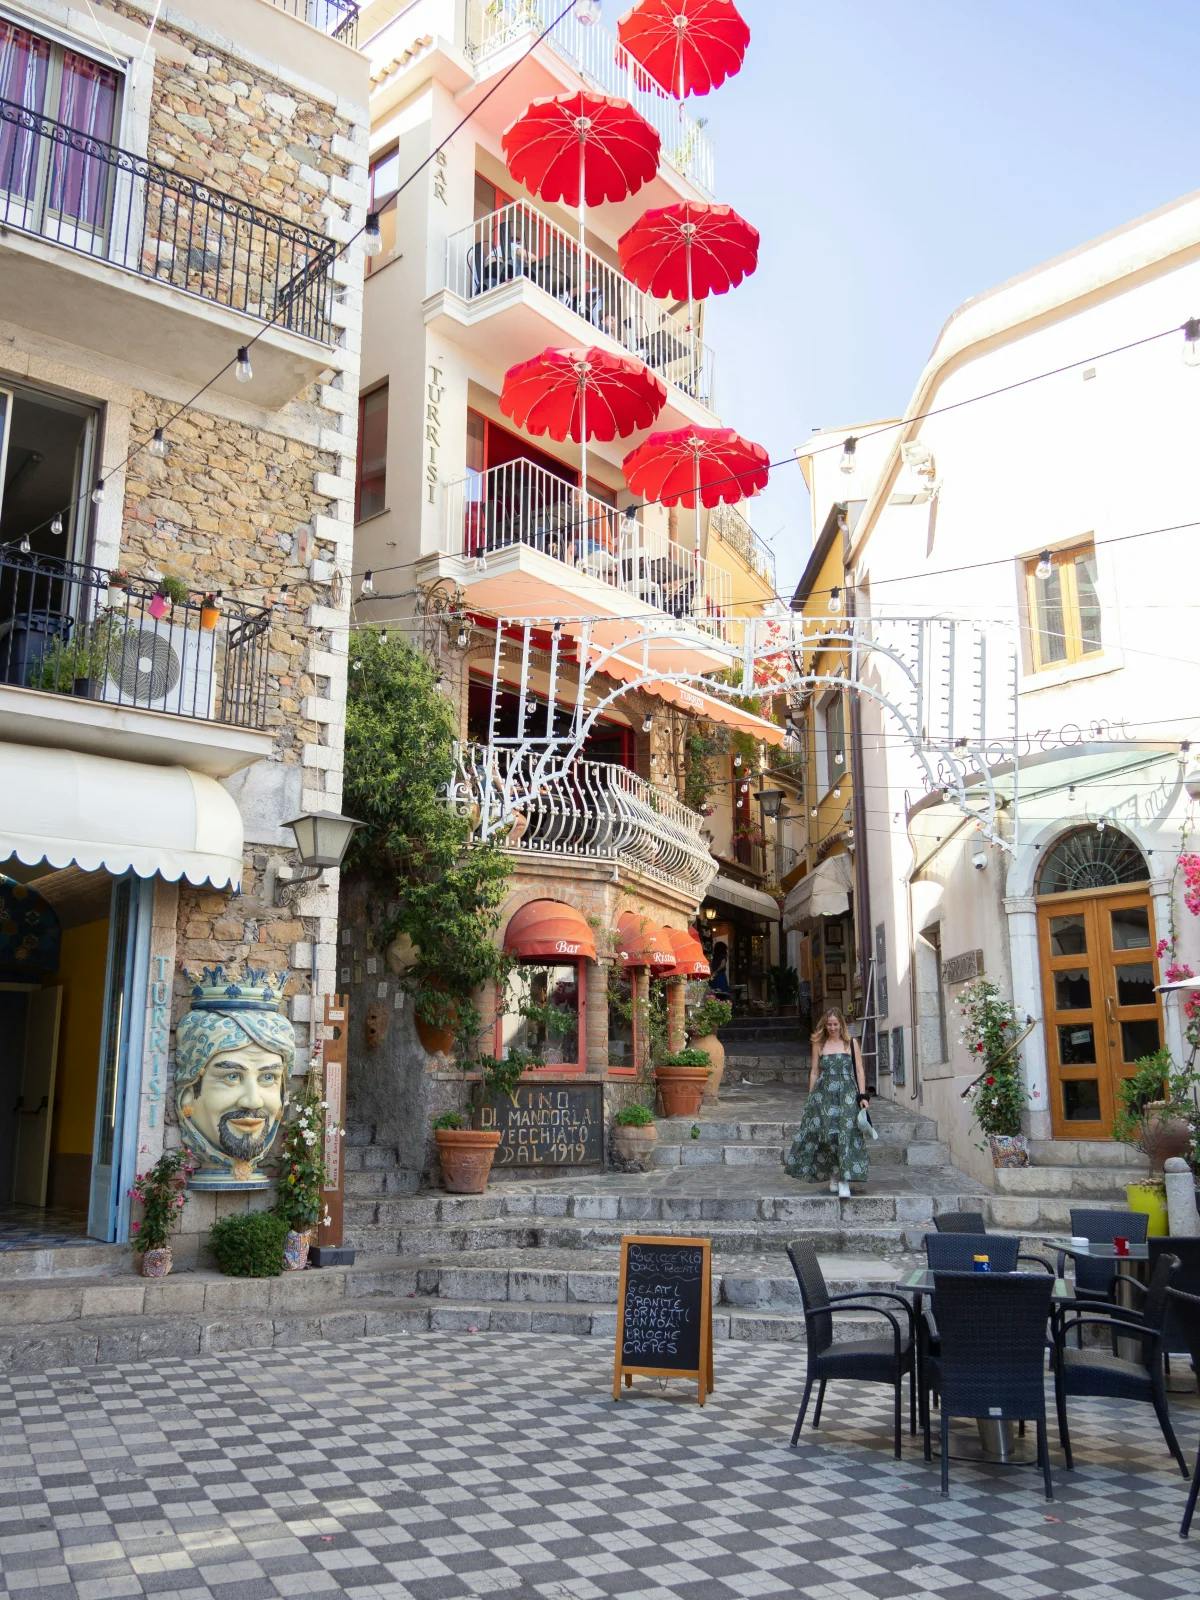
[
  {"x": 62, "y": 807},
  {"x": 743, "y": 896},
  {"x": 824, "y": 892}
]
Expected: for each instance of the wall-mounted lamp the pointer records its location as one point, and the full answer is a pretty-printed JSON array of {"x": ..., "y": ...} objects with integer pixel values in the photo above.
[
  {"x": 771, "y": 801},
  {"x": 322, "y": 838}
]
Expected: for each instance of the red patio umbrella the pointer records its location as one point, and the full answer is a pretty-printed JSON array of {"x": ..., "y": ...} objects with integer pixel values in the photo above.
[
  {"x": 582, "y": 395},
  {"x": 695, "y": 467},
  {"x": 687, "y": 46},
  {"x": 581, "y": 149}
]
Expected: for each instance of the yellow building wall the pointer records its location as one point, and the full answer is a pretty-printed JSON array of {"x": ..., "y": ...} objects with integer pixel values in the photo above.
[
  {"x": 81, "y": 973},
  {"x": 832, "y": 814}
]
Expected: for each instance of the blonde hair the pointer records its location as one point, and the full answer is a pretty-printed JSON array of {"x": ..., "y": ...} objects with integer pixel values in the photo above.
[{"x": 821, "y": 1033}]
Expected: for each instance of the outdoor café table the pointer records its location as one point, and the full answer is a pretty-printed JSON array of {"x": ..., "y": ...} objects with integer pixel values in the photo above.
[
  {"x": 1094, "y": 1250},
  {"x": 995, "y": 1441}
]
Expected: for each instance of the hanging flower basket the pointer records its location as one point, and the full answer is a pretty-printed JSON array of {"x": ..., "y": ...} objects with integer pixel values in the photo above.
[{"x": 210, "y": 612}]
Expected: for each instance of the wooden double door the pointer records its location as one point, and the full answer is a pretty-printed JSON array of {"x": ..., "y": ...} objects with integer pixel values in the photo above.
[{"x": 1099, "y": 972}]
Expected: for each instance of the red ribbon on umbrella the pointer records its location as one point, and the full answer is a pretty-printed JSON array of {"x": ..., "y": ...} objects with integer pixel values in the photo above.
[
  {"x": 695, "y": 467},
  {"x": 686, "y": 46},
  {"x": 688, "y": 251}
]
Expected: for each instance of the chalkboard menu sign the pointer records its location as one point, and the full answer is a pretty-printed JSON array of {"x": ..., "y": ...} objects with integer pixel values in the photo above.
[
  {"x": 664, "y": 1311},
  {"x": 548, "y": 1123}
]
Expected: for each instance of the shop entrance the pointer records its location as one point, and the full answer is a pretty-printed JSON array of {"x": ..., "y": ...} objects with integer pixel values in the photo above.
[
  {"x": 1099, "y": 972},
  {"x": 73, "y": 963}
]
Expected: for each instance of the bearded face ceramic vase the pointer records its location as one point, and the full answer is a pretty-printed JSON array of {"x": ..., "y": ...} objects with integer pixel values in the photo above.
[{"x": 234, "y": 1051}]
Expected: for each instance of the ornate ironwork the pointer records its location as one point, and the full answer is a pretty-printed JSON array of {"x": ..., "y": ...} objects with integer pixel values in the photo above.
[
  {"x": 1091, "y": 858},
  {"x": 338, "y": 18}
]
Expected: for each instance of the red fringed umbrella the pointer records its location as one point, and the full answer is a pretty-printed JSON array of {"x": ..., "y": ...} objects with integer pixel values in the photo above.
[
  {"x": 582, "y": 395},
  {"x": 687, "y": 46},
  {"x": 695, "y": 467},
  {"x": 688, "y": 251},
  {"x": 581, "y": 149}
]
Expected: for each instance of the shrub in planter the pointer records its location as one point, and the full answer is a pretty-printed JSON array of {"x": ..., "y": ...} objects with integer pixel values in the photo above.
[
  {"x": 633, "y": 1138},
  {"x": 703, "y": 1020},
  {"x": 161, "y": 1192},
  {"x": 681, "y": 1076},
  {"x": 249, "y": 1246},
  {"x": 998, "y": 1095},
  {"x": 466, "y": 1153},
  {"x": 302, "y": 1176},
  {"x": 1156, "y": 1114}
]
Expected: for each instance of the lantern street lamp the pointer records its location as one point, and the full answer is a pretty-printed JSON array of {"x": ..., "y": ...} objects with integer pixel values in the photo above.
[
  {"x": 771, "y": 801},
  {"x": 322, "y": 838}
]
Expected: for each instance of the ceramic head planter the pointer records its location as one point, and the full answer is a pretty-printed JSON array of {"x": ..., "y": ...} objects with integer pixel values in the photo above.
[{"x": 234, "y": 1051}]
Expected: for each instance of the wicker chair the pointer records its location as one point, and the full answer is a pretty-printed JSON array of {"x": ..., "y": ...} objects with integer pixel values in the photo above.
[
  {"x": 883, "y": 1360},
  {"x": 992, "y": 1360},
  {"x": 1183, "y": 1312},
  {"x": 1099, "y": 1375},
  {"x": 1099, "y": 1280},
  {"x": 1186, "y": 1281},
  {"x": 960, "y": 1222},
  {"x": 956, "y": 1252}
]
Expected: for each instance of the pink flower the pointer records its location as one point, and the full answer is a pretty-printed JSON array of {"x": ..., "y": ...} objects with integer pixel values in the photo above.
[
  {"x": 1178, "y": 970},
  {"x": 136, "y": 1226}
]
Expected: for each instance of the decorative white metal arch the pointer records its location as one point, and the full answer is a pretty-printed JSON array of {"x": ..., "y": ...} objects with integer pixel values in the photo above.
[{"x": 950, "y": 685}]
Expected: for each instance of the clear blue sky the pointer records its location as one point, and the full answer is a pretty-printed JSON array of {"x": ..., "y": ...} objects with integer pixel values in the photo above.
[{"x": 899, "y": 156}]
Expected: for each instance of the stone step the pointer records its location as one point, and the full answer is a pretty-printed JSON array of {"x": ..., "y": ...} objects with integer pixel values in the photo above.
[
  {"x": 893, "y": 1128},
  {"x": 1081, "y": 1184},
  {"x": 1041, "y": 1214},
  {"x": 1088, "y": 1153},
  {"x": 63, "y": 1260}
]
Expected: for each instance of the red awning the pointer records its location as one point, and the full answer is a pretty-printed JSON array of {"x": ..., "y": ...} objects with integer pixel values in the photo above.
[
  {"x": 642, "y": 944},
  {"x": 690, "y": 960},
  {"x": 547, "y": 930}
]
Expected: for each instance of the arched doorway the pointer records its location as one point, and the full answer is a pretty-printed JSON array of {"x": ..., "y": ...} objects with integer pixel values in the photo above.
[{"x": 1096, "y": 939}]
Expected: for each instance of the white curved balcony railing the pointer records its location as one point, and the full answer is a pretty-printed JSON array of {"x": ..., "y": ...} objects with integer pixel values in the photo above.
[
  {"x": 594, "y": 812},
  {"x": 595, "y": 54},
  {"x": 520, "y": 502},
  {"x": 518, "y": 243}
]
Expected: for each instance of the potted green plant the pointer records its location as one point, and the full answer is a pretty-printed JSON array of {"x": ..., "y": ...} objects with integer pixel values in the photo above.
[
  {"x": 466, "y": 1154},
  {"x": 702, "y": 1023},
  {"x": 78, "y": 665},
  {"x": 634, "y": 1137},
  {"x": 680, "y": 1077},
  {"x": 249, "y": 1245},
  {"x": 1155, "y": 1115},
  {"x": 997, "y": 1096},
  {"x": 302, "y": 1176},
  {"x": 169, "y": 592},
  {"x": 161, "y": 1193}
]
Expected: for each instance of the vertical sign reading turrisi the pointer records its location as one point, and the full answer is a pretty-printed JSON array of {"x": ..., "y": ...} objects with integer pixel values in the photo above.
[{"x": 435, "y": 393}]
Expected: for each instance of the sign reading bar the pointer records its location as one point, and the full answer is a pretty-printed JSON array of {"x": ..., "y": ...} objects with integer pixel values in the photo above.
[
  {"x": 548, "y": 1123},
  {"x": 664, "y": 1311},
  {"x": 959, "y": 969}
]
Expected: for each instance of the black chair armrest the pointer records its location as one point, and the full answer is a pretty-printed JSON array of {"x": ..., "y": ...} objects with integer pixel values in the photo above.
[
  {"x": 1060, "y": 1264},
  {"x": 1125, "y": 1314},
  {"x": 1040, "y": 1261},
  {"x": 1134, "y": 1283},
  {"x": 1135, "y": 1330},
  {"x": 876, "y": 1294},
  {"x": 846, "y": 1303}
]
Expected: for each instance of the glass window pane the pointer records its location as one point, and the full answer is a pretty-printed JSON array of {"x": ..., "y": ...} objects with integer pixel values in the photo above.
[
  {"x": 541, "y": 1013},
  {"x": 1081, "y": 1100},
  {"x": 372, "y": 453},
  {"x": 1050, "y": 620},
  {"x": 1131, "y": 928},
  {"x": 1135, "y": 984},
  {"x": 24, "y": 64},
  {"x": 620, "y": 1021},
  {"x": 1072, "y": 990},
  {"x": 1076, "y": 1044},
  {"x": 1089, "y": 602},
  {"x": 1139, "y": 1039},
  {"x": 385, "y": 178},
  {"x": 1068, "y": 935},
  {"x": 87, "y": 103}
]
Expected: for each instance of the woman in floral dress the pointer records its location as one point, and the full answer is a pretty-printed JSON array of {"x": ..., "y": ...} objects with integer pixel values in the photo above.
[{"x": 829, "y": 1144}]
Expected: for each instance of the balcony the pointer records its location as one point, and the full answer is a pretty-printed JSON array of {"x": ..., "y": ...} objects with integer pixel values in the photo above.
[
  {"x": 337, "y": 18},
  {"x": 594, "y": 54},
  {"x": 594, "y": 812},
  {"x": 130, "y": 258},
  {"x": 520, "y": 282},
  {"x": 731, "y": 527},
  {"x": 528, "y": 543},
  {"x": 87, "y": 665}
]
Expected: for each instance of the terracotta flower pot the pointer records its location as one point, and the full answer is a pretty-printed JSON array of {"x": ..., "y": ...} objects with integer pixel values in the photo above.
[
  {"x": 155, "y": 1263},
  {"x": 296, "y": 1245},
  {"x": 680, "y": 1089},
  {"x": 1009, "y": 1149},
  {"x": 715, "y": 1051},
  {"x": 466, "y": 1155},
  {"x": 633, "y": 1147},
  {"x": 210, "y": 615}
]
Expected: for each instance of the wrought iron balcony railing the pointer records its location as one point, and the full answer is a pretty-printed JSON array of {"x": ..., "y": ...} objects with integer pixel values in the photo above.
[
  {"x": 68, "y": 628},
  {"x": 517, "y": 243},
  {"x": 521, "y": 503},
  {"x": 730, "y": 525},
  {"x": 132, "y": 213},
  {"x": 339, "y": 18},
  {"x": 594, "y": 812},
  {"x": 594, "y": 53}
]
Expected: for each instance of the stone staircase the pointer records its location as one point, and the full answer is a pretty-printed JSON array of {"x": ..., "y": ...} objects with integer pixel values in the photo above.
[{"x": 1062, "y": 1173}]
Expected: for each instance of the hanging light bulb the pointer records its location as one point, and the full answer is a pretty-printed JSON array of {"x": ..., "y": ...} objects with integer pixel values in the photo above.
[
  {"x": 481, "y": 562},
  {"x": 835, "y": 598},
  {"x": 243, "y": 371},
  {"x": 849, "y": 450},
  {"x": 737, "y": 760},
  {"x": 839, "y": 756},
  {"x": 1101, "y": 824},
  {"x": 462, "y": 639},
  {"x": 557, "y": 630},
  {"x": 98, "y": 493},
  {"x": 647, "y": 723},
  {"x": 23, "y": 547},
  {"x": 745, "y": 788},
  {"x": 383, "y": 635},
  {"x": 56, "y": 527},
  {"x": 1044, "y": 567},
  {"x": 812, "y": 811},
  {"x": 367, "y": 586},
  {"x": 372, "y": 237},
  {"x": 587, "y": 12},
  {"x": 158, "y": 445},
  {"x": 1191, "y": 342},
  {"x": 837, "y": 793}
]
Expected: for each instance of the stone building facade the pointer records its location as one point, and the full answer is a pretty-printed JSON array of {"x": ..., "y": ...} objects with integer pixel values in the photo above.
[{"x": 221, "y": 169}]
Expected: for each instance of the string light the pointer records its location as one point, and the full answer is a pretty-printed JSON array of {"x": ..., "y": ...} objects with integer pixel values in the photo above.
[
  {"x": 1191, "y": 342},
  {"x": 98, "y": 493},
  {"x": 835, "y": 598},
  {"x": 367, "y": 586},
  {"x": 1101, "y": 824},
  {"x": 647, "y": 722},
  {"x": 158, "y": 445},
  {"x": 243, "y": 371},
  {"x": 849, "y": 451},
  {"x": 372, "y": 237},
  {"x": 1044, "y": 567},
  {"x": 23, "y": 546},
  {"x": 56, "y": 527}
]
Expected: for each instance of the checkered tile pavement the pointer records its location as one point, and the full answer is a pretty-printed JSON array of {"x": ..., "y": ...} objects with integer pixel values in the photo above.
[{"x": 449, "y": 1466}]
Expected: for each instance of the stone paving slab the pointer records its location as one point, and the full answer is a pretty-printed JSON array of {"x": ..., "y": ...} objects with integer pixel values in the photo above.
[{"x": 450, "y": 1465}]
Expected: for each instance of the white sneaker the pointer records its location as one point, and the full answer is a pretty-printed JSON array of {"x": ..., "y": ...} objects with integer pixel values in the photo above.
[
  {"x": 843, "y": 1189},
  {"x": 833, "y": 1186}
]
